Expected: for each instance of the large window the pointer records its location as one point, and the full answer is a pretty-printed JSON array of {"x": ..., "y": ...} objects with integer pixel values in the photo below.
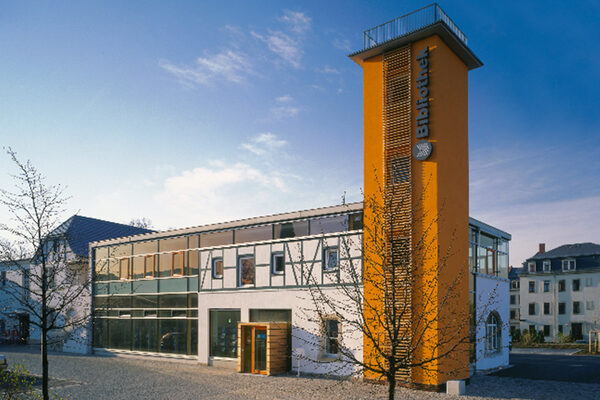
[
  {"x": 562, "y": 308},
  {"x": 568, "y": 265},
  {"x": 223, "y": 333},
  {"x": 576, "y": 285},
  {"x": 546, "y": 308},
  {"x": 329, "y": 225},
  {"x": 254, "y": 234},
  {"x": 576, "y": 307},
  {"x": 246, "y": 270},
  {"x": 531, "y": 308},
  {"x": 290, "y": 229},
  {"x": 561, "y": 285},
  {"x": 492, "y": 333},
  {"x": 546, "y": 286},
  {"x": 531, "y": 286}
]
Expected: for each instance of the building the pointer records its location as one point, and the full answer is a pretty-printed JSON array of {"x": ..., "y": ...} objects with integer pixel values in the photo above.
[
  {"x": 68, "y": 280},
  {"x": 14, "y": 284},
  {"x": 560, "y": 291},
  {"x": 197, "y": 292},
  {"x": 515, "y": 299}
]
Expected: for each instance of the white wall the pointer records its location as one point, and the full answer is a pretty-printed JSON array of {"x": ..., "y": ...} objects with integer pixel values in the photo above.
[
  {"x": 305, "y": 333},
  {"x": 492, "y": 294}
]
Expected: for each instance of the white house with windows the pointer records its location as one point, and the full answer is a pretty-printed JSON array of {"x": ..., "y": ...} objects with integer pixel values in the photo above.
[
  {"x": 560, "y": 291},
  {"x": 14, "y": 290}
]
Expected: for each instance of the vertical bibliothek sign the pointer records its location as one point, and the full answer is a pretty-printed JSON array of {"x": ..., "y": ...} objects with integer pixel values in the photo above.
[{"x": 423, "y": 148}]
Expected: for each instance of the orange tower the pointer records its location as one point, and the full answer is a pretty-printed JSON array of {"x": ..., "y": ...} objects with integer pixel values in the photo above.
[{"x": 416, "y": 173}]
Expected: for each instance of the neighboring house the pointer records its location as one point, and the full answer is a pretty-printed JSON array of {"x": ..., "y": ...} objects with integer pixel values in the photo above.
[
  {"x": 66, "y": 248},
  {"x": 560, "y": 291},
  {"x": 184, "y": 292},
  {"x": 515, "y": 299},
  {"x": 489, "y": 287},
  {"x": 14, "y": 320}
]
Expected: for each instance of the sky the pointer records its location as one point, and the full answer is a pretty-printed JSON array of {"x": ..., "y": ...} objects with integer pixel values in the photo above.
[{"x": 191, "y": 112}]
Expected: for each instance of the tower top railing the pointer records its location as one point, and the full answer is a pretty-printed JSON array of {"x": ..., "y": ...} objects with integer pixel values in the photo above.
[{"x": 408, "y": 23}]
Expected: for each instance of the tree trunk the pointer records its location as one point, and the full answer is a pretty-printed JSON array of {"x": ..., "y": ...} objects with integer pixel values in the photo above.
[
  {"x": 45, "y": 365},
  {"x": 391, "y": 385}
]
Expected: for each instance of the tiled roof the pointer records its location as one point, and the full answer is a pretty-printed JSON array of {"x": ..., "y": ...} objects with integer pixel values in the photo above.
[
  {"x": 569, "y": 250},
  {"x": 79, "y": 231}
]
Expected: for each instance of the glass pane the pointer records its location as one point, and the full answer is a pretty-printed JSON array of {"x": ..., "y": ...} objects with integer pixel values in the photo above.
[
  {"x": 487, "y": 241},
  {"x": 145, "y": 301},
  {"x": 260, "y": 349},
  {"x": 100, "y": 253},
  {"x": 164, "y": 265},
  {"x": 120, "y": 302},
  {"x": 223, "y": 333},
  {"x": 101, "y": 302},
  {"x": 290, "y": 229},
  {"x": 174, "y": 301},
  {"x": 145, "y": 247},
  {"x": 101, "y": 269},
  {"x": 216, "y": 238},
  {"x": 254, "y": 234},
  {"x": 145, "y": 335},
  {"x": 217, "y": 268},
  {"x": 173, "y": 336},
  {"x": 278, "y": 264},
  {"x": 193, "y": 300},
  {"x": 328, "y": 225},
  {"x": 355, "y": 221},
  {"x": 178, "y": 263},
  {"x": 113, "y": 269},
  {"x": 119, "y": 334},
  {"x": 179, "y": 243},
  {"x": 138, "y": 267},
  {"x": 270, "y": 315},
  {"x": 100, "y": 332},
  {"x": 193, "y": 261},
  {"x": 247, "y": 271}
]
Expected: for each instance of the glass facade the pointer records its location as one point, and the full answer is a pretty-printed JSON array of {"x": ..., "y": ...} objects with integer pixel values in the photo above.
[{"x": 488, "y": 254}]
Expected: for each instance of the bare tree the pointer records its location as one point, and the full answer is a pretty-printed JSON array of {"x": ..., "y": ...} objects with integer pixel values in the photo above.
[
  {"x": 143, "y": 222},
  {"x": 58, "y": 282},
  {"x": 396, "y": 325}
]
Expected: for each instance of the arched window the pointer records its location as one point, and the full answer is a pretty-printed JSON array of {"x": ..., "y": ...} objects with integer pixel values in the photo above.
[{"x": 492, "y": 333}]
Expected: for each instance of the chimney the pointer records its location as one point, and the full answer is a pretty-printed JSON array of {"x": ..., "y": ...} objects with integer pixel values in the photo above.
[{"x": 542, "y": 248}]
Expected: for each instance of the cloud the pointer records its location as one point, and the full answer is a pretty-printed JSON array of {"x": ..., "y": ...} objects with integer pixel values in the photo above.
[
  {"x": 283, "y": 45},
  {"x": 328, "y": 70},
  {"x": 284, "y": 99},
  {"x": 341, "y": 43},
  {"x": 297, "y": 21},
  {"x": 264, "y": 143},
  {"x": 281, "y": 112},
  {"x": 229, "y": 65}
]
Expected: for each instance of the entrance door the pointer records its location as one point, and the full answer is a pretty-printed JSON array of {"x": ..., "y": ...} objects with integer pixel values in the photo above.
[
  {"x": 255, "y": 349},
  {"x": 576, "y": 331}
]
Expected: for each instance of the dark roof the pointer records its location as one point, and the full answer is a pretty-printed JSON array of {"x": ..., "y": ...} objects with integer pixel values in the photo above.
[
  {"x": 489, "y": 229},
  {"x": 513, "y": 273},
  {"x": 79, "y": 231},
  {"x": 569, "y": 250}
]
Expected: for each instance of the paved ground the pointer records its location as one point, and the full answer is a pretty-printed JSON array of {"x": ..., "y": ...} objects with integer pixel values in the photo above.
[
  {"x": 85, "y": 377},
  {"x": 554, "y": 367}
]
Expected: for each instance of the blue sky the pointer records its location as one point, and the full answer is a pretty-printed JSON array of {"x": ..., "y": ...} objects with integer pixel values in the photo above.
[{"x": 195, "y": 112}]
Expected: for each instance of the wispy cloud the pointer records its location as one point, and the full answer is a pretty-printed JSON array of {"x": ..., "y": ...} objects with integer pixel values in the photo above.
[
  {"x": 284, "y": 99},
  {"x": 283, "y": 45},
  {"x": 341, "y": 43},
  {"x": 264, "y": 143},
  {"x": 328, "y": 70},
  {"x": 228, "y": 65},
  {"x": 297, "y": 21},
  {"x": 281, "y": 112}
]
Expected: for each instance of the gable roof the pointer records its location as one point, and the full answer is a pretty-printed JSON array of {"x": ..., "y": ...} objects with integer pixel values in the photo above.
[
  {"x": 79, "y": 231},
  {"x": 569, "y": 250}
]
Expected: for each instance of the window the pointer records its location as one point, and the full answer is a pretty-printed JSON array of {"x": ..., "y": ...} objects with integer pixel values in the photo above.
[
  {"x": 290, "y": 229},
  {"x": 277, "y": 263},
  {"x": 330, "y": 259},
  {"x": 492, "y": 333},
  {"x": 568, "y": 265},
  {"x": 560, "y": 329},
  {"x": 223, "y": 333},
  {"x": 576, "y": 307},
  {"x": 531, "y": 266},
  {"x": 513, "y": 299},
  {"x": 589, "y": 305},
  {"x": 149, "y": 266},
  {"x": 546, "y": 308},
  {"x": 217, "y": 268},
  {"x": 332, "y": 336},
  {"x": 254, "y": 234},
  {"x": 513, "y": 314},
  {"x": 546, "y": 286},
  {"x": 562, "y": 308},
  {"x": 246, "y": 270},
  {"x": 531, "y": 328},
  {"x": 546, "y": 265},
  {"x": 531, "y": 286},
  {"x": 561, "y": 285},
  {"x": 546, "y": 330},
  {"x": 588, "y": 282},
  {"x": 177, "y": 263},
  {"x": 325, "y": 225},
  {"x": 514, "y": 284},
  {"x": 124, "y": 268},
  {"x": 576, "y": 285},
  {"x": 531, "y": 308},
  {"x": 355, "y": 221}
]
